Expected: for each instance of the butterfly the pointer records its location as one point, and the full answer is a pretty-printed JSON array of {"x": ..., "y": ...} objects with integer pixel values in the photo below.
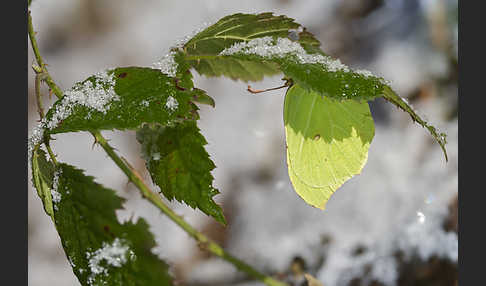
[{"x": 327, "y": 142}]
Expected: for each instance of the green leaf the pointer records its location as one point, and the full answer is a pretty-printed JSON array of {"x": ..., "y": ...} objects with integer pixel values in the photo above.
[
  {"x": 180, "y": 166},
  {"x": 327, "y": 142},
  {"x": 122, "y": 98},
  {"x": 237, "y": 28},
  {"x": 248, "y": 47},
  {"x": 42, "y": 175},
  {"x": 200, "y": 96},
  {"x": 243, "y": 27},
  {"x": 392, "y": 97},
  {"x": 100, "y": 249},
  {"x": 264, "y": 40},
  {"x": 234, "y": 68}
]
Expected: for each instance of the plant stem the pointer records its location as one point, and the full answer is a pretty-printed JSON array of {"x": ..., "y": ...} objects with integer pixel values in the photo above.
[
  {"x": 204, "y": 242},
  {"x": 154, "y": 198},
  {"x": 48, "y": 79},
  {"x": 38, "y": 96},
  {"x": 40, "y": 109}
]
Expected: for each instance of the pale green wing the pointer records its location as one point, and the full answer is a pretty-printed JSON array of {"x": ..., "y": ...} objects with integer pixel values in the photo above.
[{"x": 327, "y": 142}]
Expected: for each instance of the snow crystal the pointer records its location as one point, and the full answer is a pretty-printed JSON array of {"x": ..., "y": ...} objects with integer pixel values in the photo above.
[
  {"x": 114, "y": 254},
  {"x": 267, "y": 47},
  {"x": 167, "y": 64},
  {"x": 156, "y": 156},
  {"x": 365, "y": 73},
  {"x": 171, "y": 103},
  {"x": 34, "y": 139},
  {"x": 420, "y": 217},
  {"x": 97, "y": 96},
  {"x": 56, "y": 196}
]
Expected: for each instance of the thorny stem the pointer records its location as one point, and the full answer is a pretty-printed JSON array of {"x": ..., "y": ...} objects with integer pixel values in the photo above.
[
  {"x": 38, "y": 96},
  {"x": 40, "y": 109},
  {"x": 203, "y": 241}
]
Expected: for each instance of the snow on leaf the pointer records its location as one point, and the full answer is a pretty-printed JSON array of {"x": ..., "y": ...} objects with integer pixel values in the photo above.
[
  {"x": 122, "y": 98},
  {"x": 101, "y": 250},
  {"x": 267, "y": 48},
  {"x": 171, "y": 103},
  {"x": 112, "y": 255},
  {"x": 167, "y": 64},
  {"x": 248, "y": 47}
]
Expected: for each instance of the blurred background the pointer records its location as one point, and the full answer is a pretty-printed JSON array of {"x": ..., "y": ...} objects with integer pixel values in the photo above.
[{"x": 395, "y": 224}]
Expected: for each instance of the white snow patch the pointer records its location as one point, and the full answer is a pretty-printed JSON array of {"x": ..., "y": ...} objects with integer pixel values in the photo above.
[
  {"x": 267, "y": 47},
  {"x": 34, "y": 139},
  {"x": 171, "y": 103},
  {"x": 115, "y": 254},
  {"x": 56, "y": 196},
  {"x": 97, "y": 96},
  {"x": 167, "y": 64},
  {"x": 365, "y": 73},
  {"x": 156, "y": 156}
]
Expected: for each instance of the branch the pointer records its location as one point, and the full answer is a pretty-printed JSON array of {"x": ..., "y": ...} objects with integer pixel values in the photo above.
[
  {"x": 155, "y": 199},
  {"x": 151, "y": 196}
]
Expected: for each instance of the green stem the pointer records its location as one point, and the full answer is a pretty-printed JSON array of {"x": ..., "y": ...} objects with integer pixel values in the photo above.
[
  {"x": 40, "y": 109},
  {"x": 38, "y": 96},
  {"x": 154, "y": 198},
  {"x": 48, "y": 79},
  {"x": 51, "y": 154},
  {"x": 204, "y": 242}
]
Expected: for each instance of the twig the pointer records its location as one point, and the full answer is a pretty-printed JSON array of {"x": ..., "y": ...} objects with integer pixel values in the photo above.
[{"x": 287, "y": 83}]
